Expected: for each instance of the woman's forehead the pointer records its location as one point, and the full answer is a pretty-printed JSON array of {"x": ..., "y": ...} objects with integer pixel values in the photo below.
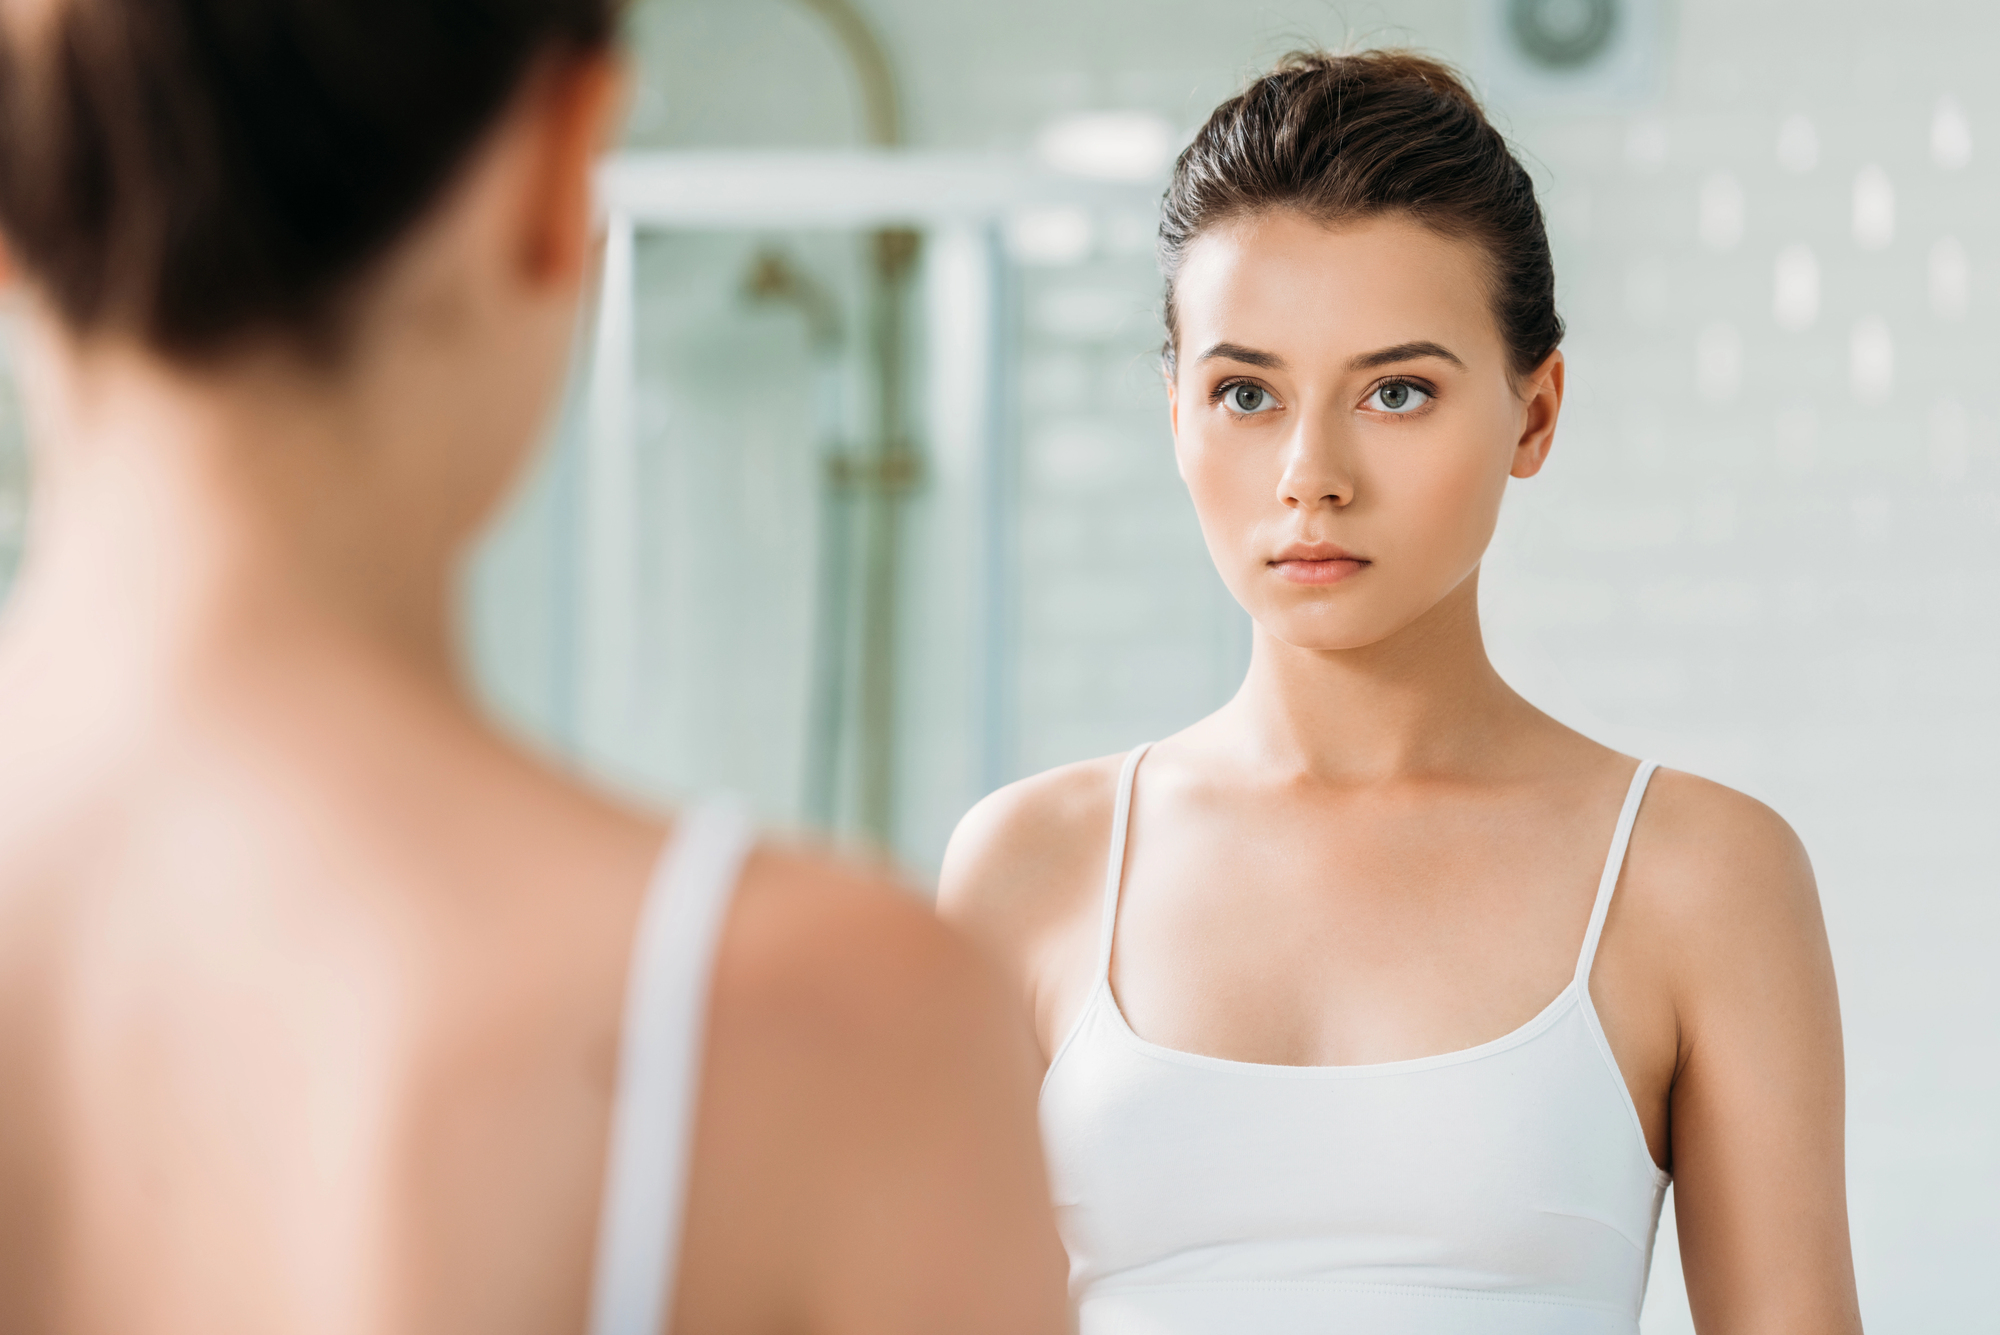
[{"x": 1284, "y": 277}]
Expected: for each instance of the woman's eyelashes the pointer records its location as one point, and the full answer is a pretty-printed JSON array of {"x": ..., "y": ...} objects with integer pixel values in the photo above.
[
  {"x": 1398, "y": 398},
  {"x": 1391, "y": 398}
]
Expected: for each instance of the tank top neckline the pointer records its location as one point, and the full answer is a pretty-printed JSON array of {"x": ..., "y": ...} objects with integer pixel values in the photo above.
[
  {"x": 1573, "y": 993},
  {"x": 1541, "y": 1020}
]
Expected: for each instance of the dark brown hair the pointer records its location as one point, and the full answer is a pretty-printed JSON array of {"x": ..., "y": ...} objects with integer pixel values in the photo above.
[
  {"x": 1347, "y": 137},
  {"x": 197, "y": 170}
]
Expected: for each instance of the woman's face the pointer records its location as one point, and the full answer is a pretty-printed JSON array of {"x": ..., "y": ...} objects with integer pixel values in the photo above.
[{"x": 1345, "y": 419}]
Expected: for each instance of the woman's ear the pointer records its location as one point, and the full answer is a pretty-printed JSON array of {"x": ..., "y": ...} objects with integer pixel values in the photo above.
[
  {"x": 1174, "y": 420},
  {"x": 1542, "y": 404},
  {"x": 581, "y": 101},
  {"x": 1173, "y": 407}
]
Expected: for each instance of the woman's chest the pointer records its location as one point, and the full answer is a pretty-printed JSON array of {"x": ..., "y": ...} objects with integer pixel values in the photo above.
[
  {"x": 1292, "y": 946},
  {"x": 1349, "y": 941}
]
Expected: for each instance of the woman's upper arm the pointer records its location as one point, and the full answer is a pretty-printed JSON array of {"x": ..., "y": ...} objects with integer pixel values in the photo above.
[
  {"x": 1758, "y": 1104},
  {"x": 942, "y": 1218},
  {"x": 1021, "y": 879}
]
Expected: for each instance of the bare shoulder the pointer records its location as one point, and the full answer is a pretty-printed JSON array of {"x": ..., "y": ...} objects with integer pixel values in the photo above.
[
  {"x": 847, "y": 951},
  {"x": 867, "y": 1123},
  {"x": 1026, "y": 856},
  {"x": 838, "y": 995},
  {"x": 1727, "y": 850},
  {"x": 1719, "y": 879}
]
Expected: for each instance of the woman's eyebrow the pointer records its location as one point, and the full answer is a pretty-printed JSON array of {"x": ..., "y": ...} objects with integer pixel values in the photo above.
[
  {"x": 1404, "y": 352},
  {"x": 1236, "y": 352}
]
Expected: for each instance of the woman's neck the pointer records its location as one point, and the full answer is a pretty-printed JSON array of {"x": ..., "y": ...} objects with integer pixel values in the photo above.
[
  {"x": 173, "y": 510},
  {"x": 1424, "y": 700}
]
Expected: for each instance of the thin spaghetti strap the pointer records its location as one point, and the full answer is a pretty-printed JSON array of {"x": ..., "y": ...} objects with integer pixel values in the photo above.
[
  {"x": 1114, "y": 871},
  {"x": 1614, "y": 863},
  {"x": 659, "y": 1068}
]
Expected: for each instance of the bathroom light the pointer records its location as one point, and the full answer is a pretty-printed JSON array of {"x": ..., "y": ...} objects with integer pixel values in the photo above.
[
  {"x": 1795, "y": 291},
  {"x": 1051, "y": 236},
  {"x": 1951, "y": 136},
  {"x": 1874, "y": 209},
  {"x": 1108, "y": 145},
  {"x": 1798, "y": 144},
  {"x": 1871, "y": 360}
]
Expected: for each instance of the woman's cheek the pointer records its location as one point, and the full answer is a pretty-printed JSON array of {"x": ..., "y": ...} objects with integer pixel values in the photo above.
[
  {"x": 1226, "y": 499},
  {"x": 1453, "y": 505}
]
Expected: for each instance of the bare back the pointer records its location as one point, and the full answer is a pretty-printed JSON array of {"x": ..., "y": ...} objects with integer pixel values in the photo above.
[{"x": 310, "y": 996}]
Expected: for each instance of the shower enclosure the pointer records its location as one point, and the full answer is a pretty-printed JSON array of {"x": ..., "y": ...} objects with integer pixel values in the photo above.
[{"x": 773, "y": 548}]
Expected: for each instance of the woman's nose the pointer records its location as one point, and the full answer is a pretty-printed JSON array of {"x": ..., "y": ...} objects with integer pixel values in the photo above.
[{"x": 1317, "y": 469}]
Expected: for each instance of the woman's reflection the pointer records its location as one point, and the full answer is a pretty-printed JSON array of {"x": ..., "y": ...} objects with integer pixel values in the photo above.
[{"x": 1380, "y": 1000}]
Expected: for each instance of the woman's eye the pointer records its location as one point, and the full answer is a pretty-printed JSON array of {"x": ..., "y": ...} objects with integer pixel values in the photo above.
[
  {"x": 1398, "y": 396},
  {"x": 1248, "y": 399}
]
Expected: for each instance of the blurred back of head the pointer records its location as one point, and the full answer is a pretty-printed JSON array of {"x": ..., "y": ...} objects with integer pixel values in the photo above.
[{"x": 196, "y": 173}]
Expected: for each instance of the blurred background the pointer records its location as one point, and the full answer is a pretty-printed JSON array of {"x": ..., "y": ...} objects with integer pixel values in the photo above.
[{"x": 864, "y": 503}]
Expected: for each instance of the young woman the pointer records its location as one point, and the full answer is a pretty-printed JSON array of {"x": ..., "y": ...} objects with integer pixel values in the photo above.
[
  {"x": 322, "y": 1007},
  {"x": 1399, "y": 1001}
]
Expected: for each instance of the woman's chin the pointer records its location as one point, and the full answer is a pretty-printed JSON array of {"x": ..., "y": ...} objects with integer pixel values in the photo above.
[{"x": 1310, "y": 633}]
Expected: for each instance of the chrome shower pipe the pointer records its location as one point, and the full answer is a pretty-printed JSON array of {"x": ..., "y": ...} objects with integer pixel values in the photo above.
[
  {"x": 776, "y": 279},
  {"x": 888, "y": 469}
]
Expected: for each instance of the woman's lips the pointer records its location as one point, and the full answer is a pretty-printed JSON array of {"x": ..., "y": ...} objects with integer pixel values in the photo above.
[
  {"x": 1319, "y": 572},
  {"x": 1317, "y": 563}
]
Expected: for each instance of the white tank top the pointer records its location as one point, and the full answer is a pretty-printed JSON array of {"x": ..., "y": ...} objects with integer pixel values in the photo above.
[
  {"x": 659, "y": 1069},
  {"x": 1502, "y": 1189}
]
